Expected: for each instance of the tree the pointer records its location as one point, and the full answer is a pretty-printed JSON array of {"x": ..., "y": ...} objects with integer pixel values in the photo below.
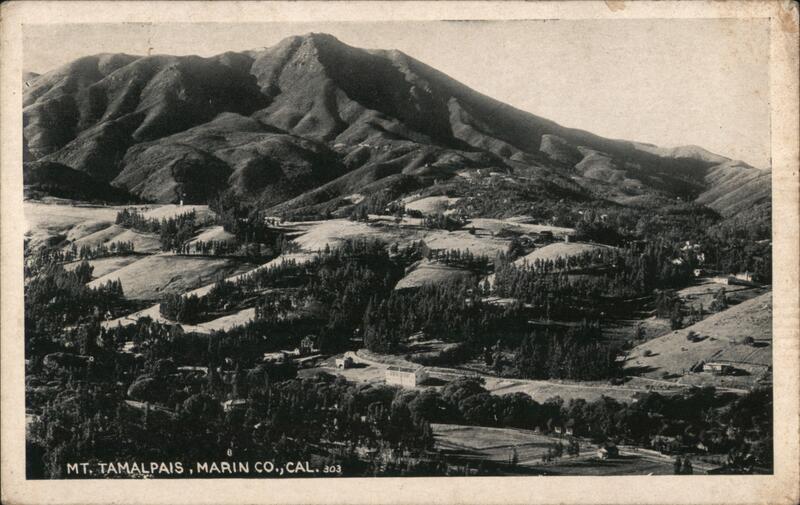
[
  {"x": 84, "y": 272},
  {"x": 677, "y": 466},
  {"x": 719, "y": 302},
  {"x": 687, "y": 467}
]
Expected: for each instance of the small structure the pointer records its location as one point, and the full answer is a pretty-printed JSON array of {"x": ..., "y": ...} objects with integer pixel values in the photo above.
[
  {"x": 698, "y": 272},
  {"x": 546, "y": 236},
  {"x": 608, "y": 451},
  {"x": 273, "y": 357},
  {"x": 294, "y": 353},
  {"x": 344, "y": 363},
  {"x": 405, "y": 377},
  {"x": 307, "y": 345},
  {"x": 717, "y": 368},
  {"x": 234, "y": 404}
]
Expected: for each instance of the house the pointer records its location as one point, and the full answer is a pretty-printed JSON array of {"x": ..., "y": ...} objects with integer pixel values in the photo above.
[
  {"x": 405, "y": 377},
  {"x": 294, "y": 353},
  {"x": 344, "y": 363},
  {"x": 744, "y": 276},
  {"x": 234, "y": 404},
  {"x": 307, "y": 345},
  {"x": 546, "y": 235},
  {"x": 608, "y": 451},
  {"x": 717, "y": 368},
  {"x": 273, "y": 357}
]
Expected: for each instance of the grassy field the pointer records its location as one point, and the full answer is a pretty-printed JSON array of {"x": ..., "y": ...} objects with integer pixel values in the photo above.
[
  {"x": 722, "y": 333},
  {"x": 559, "y": 250},
  {"x": 142, "y": 242},
  {"x": 153, "y": 276},
  {"x": 213, "y": 233},
  {"x": 515, "y": 225},
  {"x": 45, "y": 220},
  {"x": 316, "y": 235},
  {"x": 431, "y": 204},
  {"x": 427, "y": 272},
  {"x": 478, "y": 443},
  {"x": 105, "y": 266}
]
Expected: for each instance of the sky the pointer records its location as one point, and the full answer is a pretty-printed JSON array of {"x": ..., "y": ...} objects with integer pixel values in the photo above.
[{"x": 667, "y": 82}]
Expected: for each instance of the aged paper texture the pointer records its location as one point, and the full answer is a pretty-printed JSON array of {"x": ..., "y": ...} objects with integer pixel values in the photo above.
[{"x": 399, "y": 252}]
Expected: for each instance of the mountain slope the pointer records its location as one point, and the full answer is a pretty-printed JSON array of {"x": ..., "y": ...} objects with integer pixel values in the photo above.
[{"x": 307, "y": 122}]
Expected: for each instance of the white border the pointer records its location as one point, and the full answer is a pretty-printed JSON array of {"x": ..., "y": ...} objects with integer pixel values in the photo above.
[{"x": 782, "y": 487}]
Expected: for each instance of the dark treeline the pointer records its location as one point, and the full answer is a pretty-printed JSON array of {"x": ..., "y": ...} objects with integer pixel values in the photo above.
[
  {"x": 248, "y": 224},
  {"x": 697, "y": 420},
  {"x": 56, "y": 298},
  {"x": 442, "y": 221},
  {"x": 361, "y": 429},
  {"x": 579, "y": 353},
  {"x": 459, "y": 258},
  {"x": 174, "y": 232},
  {"x": 616, "y": 273},
  {"x": 450, "y": 311},
  {"x": 339, "y": 280},
  {"x": 47, "y": 255},
  {"x": 279, "y": 245}
]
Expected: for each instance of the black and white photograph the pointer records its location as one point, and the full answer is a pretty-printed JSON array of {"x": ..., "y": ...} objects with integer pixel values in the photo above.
[{"x": 437, "y": 248}]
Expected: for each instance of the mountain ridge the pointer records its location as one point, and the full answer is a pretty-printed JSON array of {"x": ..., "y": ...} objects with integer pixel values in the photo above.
[{"x": 273, "y": 125}]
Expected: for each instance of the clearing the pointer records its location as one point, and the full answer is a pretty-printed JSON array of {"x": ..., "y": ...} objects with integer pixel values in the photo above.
[
  {"x": 427, "y": 272},
  {"x": 559, "y": 250},
  {"x": 721, "y": 339},
  {"x": 431, "y": 204},
  {"x": 153, "y": 276}
]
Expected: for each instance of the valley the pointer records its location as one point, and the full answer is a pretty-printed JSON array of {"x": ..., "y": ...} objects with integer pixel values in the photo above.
[{"x": 443, "y": 283}]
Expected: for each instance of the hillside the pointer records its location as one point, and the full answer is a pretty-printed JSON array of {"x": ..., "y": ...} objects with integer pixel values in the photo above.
[
  {"x": 722, "y": 339},
  {"x": 61, "y": 181},
  {"x": 301, "y": 126}
]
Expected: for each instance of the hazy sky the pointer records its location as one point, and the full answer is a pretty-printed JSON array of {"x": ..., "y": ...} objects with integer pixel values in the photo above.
[{"x": 667, "y": 82}]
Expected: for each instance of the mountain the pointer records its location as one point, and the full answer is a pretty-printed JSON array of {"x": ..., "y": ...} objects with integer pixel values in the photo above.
[
  {"x": 55, "y": 179},
  {"x": 306, "y": 124}
]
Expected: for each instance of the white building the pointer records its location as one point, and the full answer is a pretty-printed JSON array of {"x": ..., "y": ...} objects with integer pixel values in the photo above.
[
  {"x": 343, "y": 363},
  {"x": 405, "y": 377}
]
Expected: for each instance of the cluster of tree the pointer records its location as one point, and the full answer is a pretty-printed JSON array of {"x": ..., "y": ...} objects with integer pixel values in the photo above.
[
  {"x": 174, "y": 232},
  {"x": 56, "y": 298},
  {"x": 247, "y": 223},
  {"x": 87, "y": 252},
  {"x": 363, "y": 430},
  {"x": 617, "y": 273},
  {"x": 340, "y": 280},
  {"x": 461, "y": 259},
  {"x": 578, "y": 354},
  {"x": 450, "y": 311},
  {"x": 669, "y": 306},
  {"x": 384, "y": 201},
  {"x": 730, "y": 254},
  {"x": 136, "y": 220},
  {"x": 281, "y": 245},
  {"x": 222, "y": 297},
  {"x": 594, "y": 228},
  {"x": 441, "y": 221}
]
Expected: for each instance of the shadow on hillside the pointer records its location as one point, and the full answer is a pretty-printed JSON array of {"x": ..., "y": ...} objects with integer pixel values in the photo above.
[{"x": 640, "y": 370}]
